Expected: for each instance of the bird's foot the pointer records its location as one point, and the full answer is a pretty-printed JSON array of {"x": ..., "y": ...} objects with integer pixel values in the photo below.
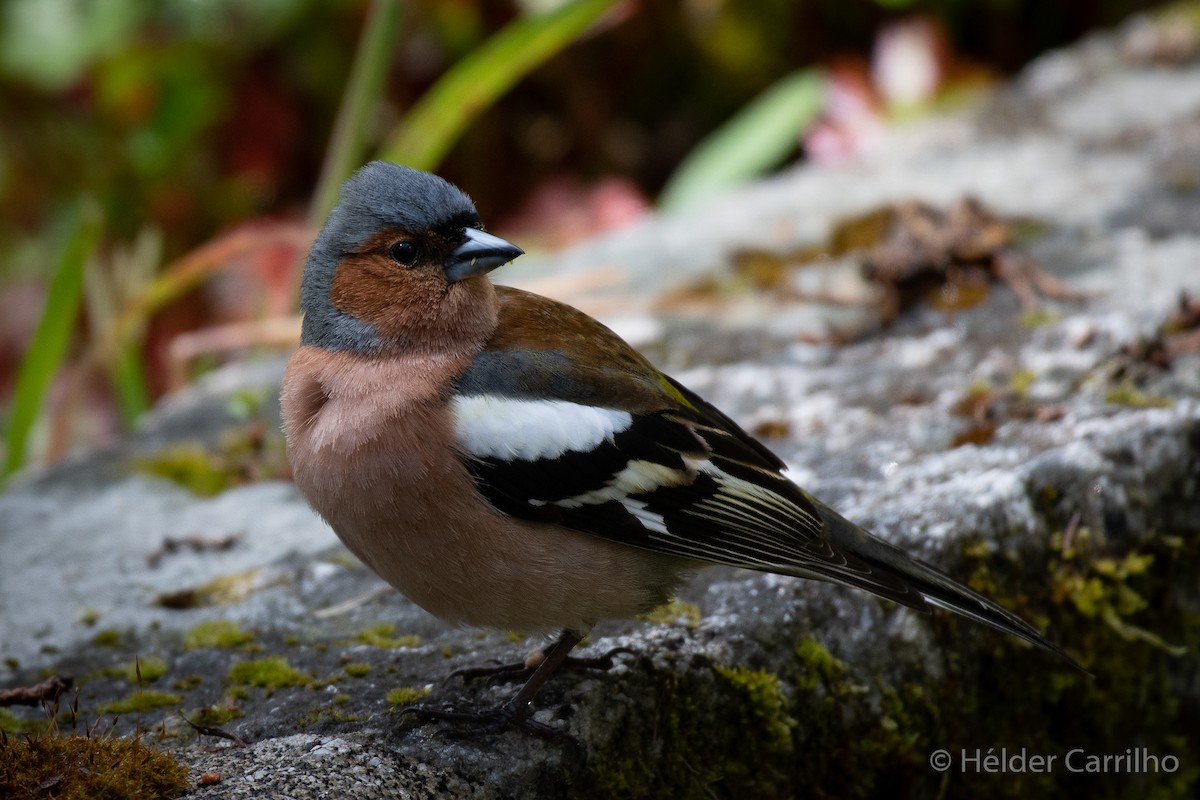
[
  {"x": 516, "y": 711},
  {"x": 520, "y": 671},
  {"x": 489, "y": 721}
]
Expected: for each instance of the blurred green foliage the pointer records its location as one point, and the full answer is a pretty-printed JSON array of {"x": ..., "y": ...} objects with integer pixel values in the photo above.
[
  {"x": 756, "y": 139},
  {"x": 189, "y": 115},
  {"x": 138, "y": 102},
  {"x": 53, "y": 332}
]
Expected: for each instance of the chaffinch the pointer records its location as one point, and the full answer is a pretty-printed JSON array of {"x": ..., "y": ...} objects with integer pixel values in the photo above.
[{"x": 505, "y": 460}]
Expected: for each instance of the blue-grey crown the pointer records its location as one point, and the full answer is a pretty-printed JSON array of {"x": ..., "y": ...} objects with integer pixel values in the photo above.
[{"x": 380, "y": 195}]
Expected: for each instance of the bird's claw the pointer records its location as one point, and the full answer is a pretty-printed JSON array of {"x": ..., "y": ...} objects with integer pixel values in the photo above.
[{"x": 519, "y": 671}]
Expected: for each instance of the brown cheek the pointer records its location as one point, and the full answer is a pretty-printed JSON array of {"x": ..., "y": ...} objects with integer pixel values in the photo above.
[
  {"x": 357, "y": 290},
  {"x": 374, "y": 290}
]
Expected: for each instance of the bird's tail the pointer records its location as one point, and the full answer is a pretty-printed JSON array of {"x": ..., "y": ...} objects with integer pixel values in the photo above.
[{"x": 934, "y": 586}]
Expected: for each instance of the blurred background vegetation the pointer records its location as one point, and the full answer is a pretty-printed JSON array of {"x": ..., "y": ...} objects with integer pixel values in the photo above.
[{"x": 164, "y": 164}]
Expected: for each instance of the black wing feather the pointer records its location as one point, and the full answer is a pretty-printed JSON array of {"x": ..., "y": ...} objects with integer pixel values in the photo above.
[{"x": 775, "y": 527}]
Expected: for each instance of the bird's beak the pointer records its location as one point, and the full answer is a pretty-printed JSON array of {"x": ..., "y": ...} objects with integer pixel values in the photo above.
[{"x": 479, "y": 254}]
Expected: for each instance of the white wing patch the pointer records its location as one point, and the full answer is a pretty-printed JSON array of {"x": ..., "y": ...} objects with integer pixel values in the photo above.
[{"x": 510, "y": 428}]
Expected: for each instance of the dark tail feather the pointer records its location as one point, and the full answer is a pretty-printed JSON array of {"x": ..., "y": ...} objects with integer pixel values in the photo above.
[{"x": 935, "y": 586}]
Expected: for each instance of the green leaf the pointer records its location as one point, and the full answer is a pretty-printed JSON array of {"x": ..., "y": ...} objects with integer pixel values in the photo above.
[
  {"x": 130, "y": 384},
  {"x": 53, "y": 333},
  {"x": 757, "y": 138},
  {"x": 434, "y": 124}
]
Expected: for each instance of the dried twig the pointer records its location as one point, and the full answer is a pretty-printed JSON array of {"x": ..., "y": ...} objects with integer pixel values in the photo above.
[
  {"x": 205, "y": 730},
  {"x": 47, "y": 691},
  {"x": 346, "y": 606}
]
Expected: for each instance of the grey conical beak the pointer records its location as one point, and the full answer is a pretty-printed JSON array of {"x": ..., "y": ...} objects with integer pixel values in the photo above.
[{"x": 479, "y": 254}]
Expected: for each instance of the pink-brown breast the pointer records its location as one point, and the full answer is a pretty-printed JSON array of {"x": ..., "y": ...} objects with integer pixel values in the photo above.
[{"x": 372, "y": 447}]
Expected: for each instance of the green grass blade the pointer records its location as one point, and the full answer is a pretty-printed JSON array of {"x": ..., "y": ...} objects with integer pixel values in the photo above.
[
  {"x": 434, "y": 124},
  {"x": 362, "y": 94},
  {"x": 130, "y": 384},
  {"x": 53, "y": 333},
  {"x": 757, "y": 138}
]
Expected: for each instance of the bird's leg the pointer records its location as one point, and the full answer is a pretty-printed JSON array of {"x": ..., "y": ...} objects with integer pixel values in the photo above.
[
  {"x": 556, "y": 654},
  {"x": 518, "y": 671},
  {"x": 516, "y": 709}
]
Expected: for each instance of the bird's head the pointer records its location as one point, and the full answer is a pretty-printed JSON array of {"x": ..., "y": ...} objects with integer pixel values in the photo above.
[{"x": 400, "y": 264}]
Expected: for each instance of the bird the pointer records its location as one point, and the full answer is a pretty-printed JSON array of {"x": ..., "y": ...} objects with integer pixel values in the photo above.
[{"x": 507, "y": 461}]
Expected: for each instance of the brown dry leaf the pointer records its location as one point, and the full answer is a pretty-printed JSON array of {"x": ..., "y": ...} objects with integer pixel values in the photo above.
[{"x": 915, "y": 251}]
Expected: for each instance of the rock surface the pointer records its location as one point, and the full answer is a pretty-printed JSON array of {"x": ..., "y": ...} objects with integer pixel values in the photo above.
[{"x": 1043, "y": 458}]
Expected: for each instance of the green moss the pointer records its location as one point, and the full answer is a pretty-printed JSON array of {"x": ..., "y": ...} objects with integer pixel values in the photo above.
[
  {"x": 246, "y": 453},
  {"x": 675, "y": 613},
  {"x": 186, "y": 683},
  {"x": 701, "y": 733},
  {"x": 272, "y": 672},
  {"x": 88, "y": 616},
  {"x": 150, "y": 669},
  {"x": 1038, "y": 318},
  {"x": 218, "y": 714},
  {"x": 357, "y": 669},
  {"x": 188, "y": 465},
  {"x": 320, "y": 683},
  {"x": 223, "y": 590},
  {"x": 216, "y": 633},
  {"x": 1021, "y": 382},
  {"x": 817, "y": 665},
  {"x": 11, "y": 723},
  {"x": 1100, "y": 588},
  {"x": 405, "y": 696},
  {"x": 107, "y": 638},
  {"x": 384, "y": 636},
  {"x": 1120, "y": 615},
  {"x": 141, "y": 701},
  {"x": 766, "y": 706},
  {"x": 86, "y": 767},
  {"x": 1133, "y": 398},
  {"x": 327, "y": 713}
]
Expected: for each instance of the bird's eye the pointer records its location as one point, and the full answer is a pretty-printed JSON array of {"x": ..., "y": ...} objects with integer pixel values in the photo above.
[{"x": 402, "y": 253}]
